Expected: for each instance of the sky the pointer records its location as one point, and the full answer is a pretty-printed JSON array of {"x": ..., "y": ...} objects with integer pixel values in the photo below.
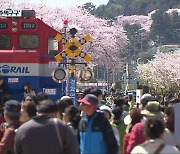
[{"x": 67, "y": 3}]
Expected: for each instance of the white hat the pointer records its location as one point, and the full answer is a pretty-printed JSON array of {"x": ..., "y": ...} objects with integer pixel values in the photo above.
[
  {"x": 107, "y": 108},
  {"x": 65, "y": 97},
  {"x": 127, "y": 120},
  {"x": 145, "y": 95}
]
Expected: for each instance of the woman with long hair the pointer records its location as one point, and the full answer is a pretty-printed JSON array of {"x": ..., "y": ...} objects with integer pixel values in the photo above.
[{"x": 71, "y": 117}]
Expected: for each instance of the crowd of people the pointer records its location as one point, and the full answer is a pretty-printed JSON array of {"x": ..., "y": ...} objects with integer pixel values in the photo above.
[{"x": 39, "y": 125}]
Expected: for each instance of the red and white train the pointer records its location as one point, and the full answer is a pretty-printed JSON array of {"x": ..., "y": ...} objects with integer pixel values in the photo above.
[{"x": 27, "y": 45}]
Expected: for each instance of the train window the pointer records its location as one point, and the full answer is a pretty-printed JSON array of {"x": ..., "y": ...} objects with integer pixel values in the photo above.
[
  {"x": 52, "y": 46},
  {"x": 4, "y": 41},
  {"x": 28, "y": 41}
]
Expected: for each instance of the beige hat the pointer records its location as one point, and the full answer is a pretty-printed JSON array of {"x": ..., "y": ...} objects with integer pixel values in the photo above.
[{"x": 153, "y": 109}]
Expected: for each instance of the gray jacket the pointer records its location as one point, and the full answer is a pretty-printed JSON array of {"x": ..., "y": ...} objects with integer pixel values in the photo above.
[{"x": 38, "y": 136}]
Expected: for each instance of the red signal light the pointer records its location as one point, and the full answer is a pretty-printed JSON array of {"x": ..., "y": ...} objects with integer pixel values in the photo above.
[{"x": 65, "y": 22}]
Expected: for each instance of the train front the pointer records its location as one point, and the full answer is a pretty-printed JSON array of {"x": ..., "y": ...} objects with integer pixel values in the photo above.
[{"x": 27, "y": 48}]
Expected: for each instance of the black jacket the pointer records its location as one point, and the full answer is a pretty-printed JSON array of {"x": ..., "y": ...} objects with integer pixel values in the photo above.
[
  {"x": 3, "y": 92},
  {"x": 38, "y": 136}
]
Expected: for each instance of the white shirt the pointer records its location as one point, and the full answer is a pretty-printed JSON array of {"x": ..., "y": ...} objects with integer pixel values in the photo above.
[{"x": 150, "y": 146}]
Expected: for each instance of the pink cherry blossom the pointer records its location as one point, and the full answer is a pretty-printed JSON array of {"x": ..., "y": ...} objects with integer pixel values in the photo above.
[
  {"x": 107, "y": 41},
  {"x": 162, "y": 72}
]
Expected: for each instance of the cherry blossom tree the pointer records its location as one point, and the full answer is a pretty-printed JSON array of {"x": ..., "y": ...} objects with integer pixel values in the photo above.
[
  {"x": 163, "y": 72},
  {"x": 106, "y": 42},
  {"x": 144, "y": 21},
  {"x": 137, "y": 29}
]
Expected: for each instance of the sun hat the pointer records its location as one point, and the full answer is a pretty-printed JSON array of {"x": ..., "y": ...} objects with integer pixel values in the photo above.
[
  {"x": 152, "y": 109},
  {"x": 107, "y": 108}
]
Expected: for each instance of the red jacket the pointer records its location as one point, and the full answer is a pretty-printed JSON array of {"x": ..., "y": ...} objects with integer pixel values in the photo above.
[
  {"x": 7, "y": 141},
  {"x": 1, "y": 121},
  {"x": 137, "y": 136},
  {"x": 125, "y": 143}
]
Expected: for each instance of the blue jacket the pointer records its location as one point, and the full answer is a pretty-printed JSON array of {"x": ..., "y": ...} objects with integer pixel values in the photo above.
[{"x": 96, "y": 135}]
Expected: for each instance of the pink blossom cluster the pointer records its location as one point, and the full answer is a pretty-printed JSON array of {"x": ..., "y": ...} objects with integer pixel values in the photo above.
[
  {"x": 144, "y": 21},
  {"x": 162, "y": 72}
]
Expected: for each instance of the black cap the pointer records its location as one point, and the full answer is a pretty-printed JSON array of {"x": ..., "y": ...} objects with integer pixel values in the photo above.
[
  {"x": 12, "y": 107},
  {"x": 47, "y": 106}
]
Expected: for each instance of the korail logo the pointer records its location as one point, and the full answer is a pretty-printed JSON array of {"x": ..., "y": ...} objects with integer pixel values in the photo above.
[{"x": 13, "y": 69}]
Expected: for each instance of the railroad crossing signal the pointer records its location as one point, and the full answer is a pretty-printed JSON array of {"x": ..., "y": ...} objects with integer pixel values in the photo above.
[{"x": 73, "y": 48}]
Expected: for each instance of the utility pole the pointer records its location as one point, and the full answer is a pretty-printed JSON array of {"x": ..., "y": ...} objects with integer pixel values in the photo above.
[
  {"x": 64, "y": 31},
  {"x": 97, "y": 74}
]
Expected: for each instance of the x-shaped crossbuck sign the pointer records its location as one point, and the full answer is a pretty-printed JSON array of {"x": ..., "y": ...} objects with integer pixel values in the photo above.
[{"x": 73, "y": 48}]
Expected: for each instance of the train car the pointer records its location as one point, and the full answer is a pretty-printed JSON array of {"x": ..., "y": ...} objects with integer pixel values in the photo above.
[{"x": 27, "y": 48}]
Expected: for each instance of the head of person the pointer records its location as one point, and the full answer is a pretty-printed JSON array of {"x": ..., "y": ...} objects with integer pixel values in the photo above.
[
  {"x": 117, "y": 111},
  {"x": 29, "y": 98},
  {"x": 119, "y": 102},
  {"x": 131, "y": 100},
  {"x": 72, "y": 115},
  {"x": 170, "y": 97},
  {"x": 85, "y": 92},
  {"x": 27, "y": 88},
  {"x": 28, "y": 110},
  {"x": 153, "y": 109},
  {"x": 169, "y": 118},
  {"x": 47, "y": 107},
  {"x": 103, "y": 102},
  {"x": 1, "y": 79},
  {"x": 68, "y": 100},
  {"x": 145, "y": 99},
  {"x": 133, "y": 118},
  {"x": 63, "y": 103},
  {"x": 97, "y": 92},
  {"x": 107, "y": 112},
  {"x": 80, "y": 95},
  {"x": 12, "y": 111},
  {"x": 41, "y": 96},
  {"x": 154, "y": 128},
  {"x": 89, "y": 104},
  {"x": 130, "y": 97},
  {"x": 173, "y": 102},
  {"x": 4, "y": 98}
]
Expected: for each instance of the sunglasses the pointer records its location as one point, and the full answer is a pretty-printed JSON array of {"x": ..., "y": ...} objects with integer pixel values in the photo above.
[{"x": 28, "y": 99}]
